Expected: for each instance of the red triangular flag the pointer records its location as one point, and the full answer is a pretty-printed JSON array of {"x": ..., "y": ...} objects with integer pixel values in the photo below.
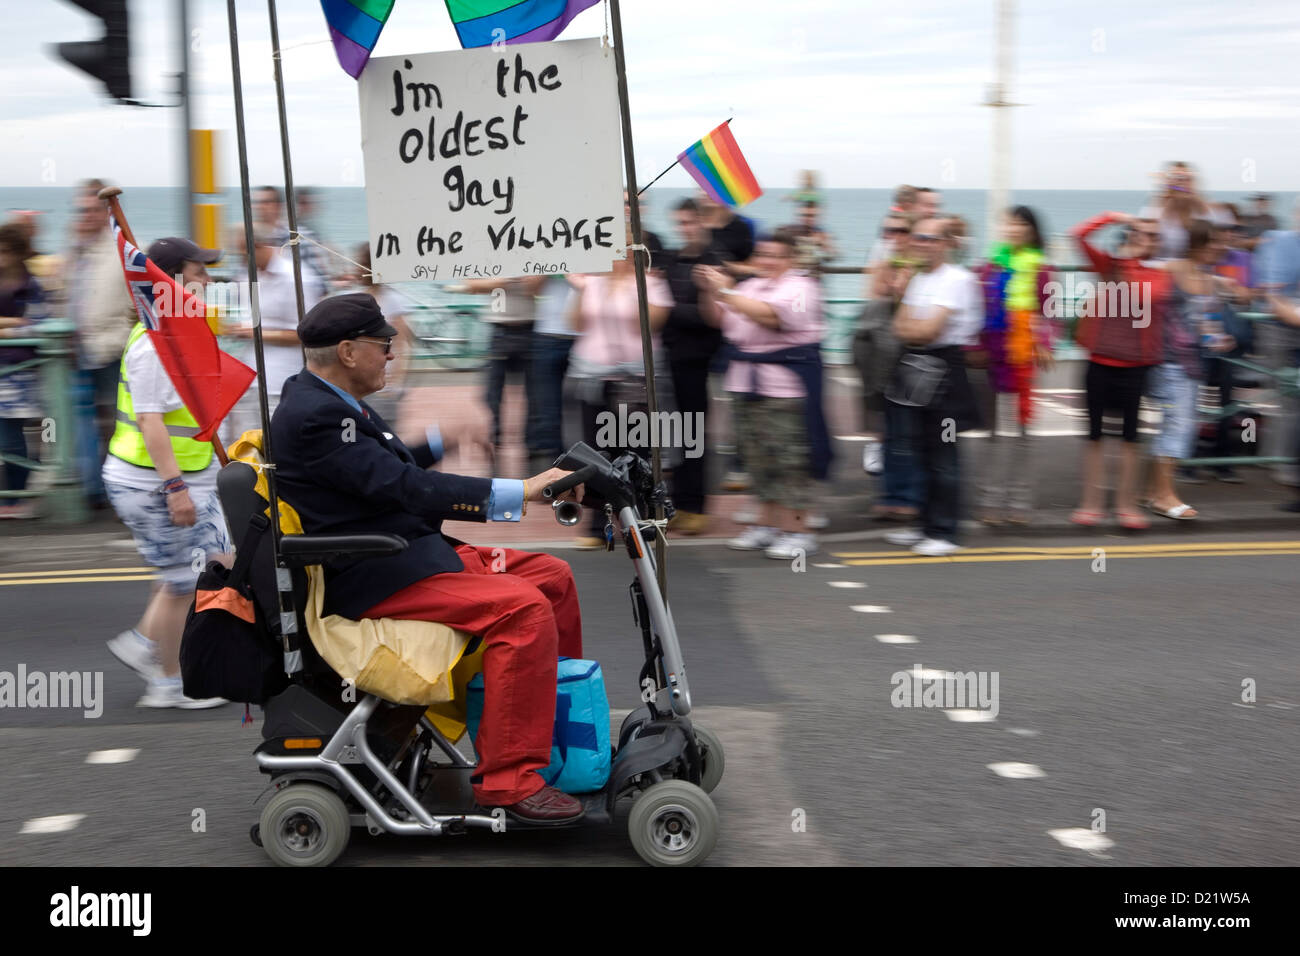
[{"x": 208, "y": 380}]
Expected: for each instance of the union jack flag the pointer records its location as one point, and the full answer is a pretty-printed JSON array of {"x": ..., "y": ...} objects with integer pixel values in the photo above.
[
  {"x": 208, "y": 380},
  {"x": 139, "y": 283}
]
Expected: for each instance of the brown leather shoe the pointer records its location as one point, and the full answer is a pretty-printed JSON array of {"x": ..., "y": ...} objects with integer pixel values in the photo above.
[{"x": 547, "y": 806}]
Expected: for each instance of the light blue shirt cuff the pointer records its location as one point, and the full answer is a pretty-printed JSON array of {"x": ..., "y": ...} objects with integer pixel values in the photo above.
[
  {"x": 506, "y": 502},
  {"x": 433, "y": 435}
]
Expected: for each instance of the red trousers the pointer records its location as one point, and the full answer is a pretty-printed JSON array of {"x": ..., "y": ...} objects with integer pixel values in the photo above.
[{"x": 524, "y": 606}]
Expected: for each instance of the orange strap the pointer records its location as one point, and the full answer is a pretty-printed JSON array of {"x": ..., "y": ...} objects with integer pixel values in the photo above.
[{"x": 228, "y": 600}]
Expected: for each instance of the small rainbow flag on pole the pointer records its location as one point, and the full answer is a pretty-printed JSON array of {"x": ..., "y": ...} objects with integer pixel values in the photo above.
[
  {"x": 477, "y": 22},
  {"x": 354, "y": 28},
  {"x": 718, "y": 165}
]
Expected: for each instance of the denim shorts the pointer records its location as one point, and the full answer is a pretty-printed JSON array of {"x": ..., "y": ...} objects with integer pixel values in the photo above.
[
  {"x": 178, "y": 553},
  {"x": 1175, "y": 394}
]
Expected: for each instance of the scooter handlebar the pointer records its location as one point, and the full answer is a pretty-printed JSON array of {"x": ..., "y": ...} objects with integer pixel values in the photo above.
[{"x": 579, "y": 477}]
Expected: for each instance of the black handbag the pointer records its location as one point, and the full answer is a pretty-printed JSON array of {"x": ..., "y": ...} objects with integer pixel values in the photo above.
[
  {"x": 227, "y": 650},
  {"x": 919, "y": 380}
]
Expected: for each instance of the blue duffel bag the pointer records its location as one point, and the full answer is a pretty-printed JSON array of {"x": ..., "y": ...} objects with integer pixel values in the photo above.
[{"x": 580, "y": 751}]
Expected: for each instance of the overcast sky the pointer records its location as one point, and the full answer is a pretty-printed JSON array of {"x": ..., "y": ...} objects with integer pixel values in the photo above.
[{"x": 870, "y": 93}]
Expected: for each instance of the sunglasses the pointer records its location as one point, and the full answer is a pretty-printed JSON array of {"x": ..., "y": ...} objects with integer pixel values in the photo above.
[
  {"x": 386, "y": 343},
  {"x": 926, "y": 237},
  {"x": 893, "y": 231}
]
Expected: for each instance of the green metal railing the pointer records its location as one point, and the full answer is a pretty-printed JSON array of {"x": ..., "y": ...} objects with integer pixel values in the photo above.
[{"x": 56, "y": 359}]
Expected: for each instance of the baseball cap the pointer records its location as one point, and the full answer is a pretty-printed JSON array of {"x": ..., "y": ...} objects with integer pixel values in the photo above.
[{"x": 172, "y": 253}]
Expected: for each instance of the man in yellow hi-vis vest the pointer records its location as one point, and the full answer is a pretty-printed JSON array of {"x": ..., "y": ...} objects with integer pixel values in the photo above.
[{"x": 163, "y": 485}]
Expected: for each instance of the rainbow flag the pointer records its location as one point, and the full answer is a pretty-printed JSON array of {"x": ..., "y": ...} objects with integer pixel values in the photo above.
[
  {"x": 354, "y": 28},
  {"x": 521, "y": 21},
  {"x": 717, "y": 164}
]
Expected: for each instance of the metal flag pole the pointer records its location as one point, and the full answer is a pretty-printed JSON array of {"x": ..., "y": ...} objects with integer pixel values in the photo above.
[
  {"x": 290, "y": 204},
  {"x": 998, "y": 99},
  {"x": 288, "y": 619},
  {"x": 647, "y": 346}
]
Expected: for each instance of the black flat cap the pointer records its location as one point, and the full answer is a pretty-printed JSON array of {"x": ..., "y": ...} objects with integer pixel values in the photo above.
[
  {"x": 173, "y": 252},
  {"x": 343, "y": 317}
]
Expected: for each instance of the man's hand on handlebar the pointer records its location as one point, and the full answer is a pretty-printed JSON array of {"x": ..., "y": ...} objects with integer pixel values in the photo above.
[{"x": 538, "y": 483}]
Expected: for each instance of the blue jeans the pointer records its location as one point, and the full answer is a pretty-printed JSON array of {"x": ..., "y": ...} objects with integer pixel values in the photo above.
[
  {"x": 546, "y": 411},
  {"x": 14, "y": 444},
  {"x": 904, "y": 482},
  {"x": 96, "y": 404}
]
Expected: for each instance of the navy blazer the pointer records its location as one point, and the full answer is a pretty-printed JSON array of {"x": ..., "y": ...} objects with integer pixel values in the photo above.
[{"x": 346, "y": 472}]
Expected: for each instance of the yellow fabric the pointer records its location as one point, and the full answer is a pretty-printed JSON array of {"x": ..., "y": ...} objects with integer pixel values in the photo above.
[
  {"x": 127, "y": 442},
  {"x": 406, "y": 662}
]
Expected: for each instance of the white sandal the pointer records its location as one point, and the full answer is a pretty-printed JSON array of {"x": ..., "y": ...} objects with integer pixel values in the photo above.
[{"x": 1177, "y": 512}]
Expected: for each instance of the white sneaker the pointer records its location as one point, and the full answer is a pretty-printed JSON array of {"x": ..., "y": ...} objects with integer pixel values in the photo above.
[
  {"x": 935, "y": 547},
  {"x": 816, "y": 520},
  {"x": 790, "y": 546},
  {"x": 167, "y": 692},
  {"x": 906, "y": 537},
  {"x": 754, "y": 539},
  {"x": 873, "y": 458},
  {"x": 137, "y": 652}
]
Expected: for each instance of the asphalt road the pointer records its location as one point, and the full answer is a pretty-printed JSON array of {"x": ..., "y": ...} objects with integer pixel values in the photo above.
[{"x": 1123, "y": 687}]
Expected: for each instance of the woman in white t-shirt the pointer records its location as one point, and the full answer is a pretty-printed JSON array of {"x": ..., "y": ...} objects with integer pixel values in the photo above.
[{"x": 942, "y": 312}]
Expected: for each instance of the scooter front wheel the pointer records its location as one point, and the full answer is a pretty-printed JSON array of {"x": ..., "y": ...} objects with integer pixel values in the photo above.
[{"x": 673, "y": 823}]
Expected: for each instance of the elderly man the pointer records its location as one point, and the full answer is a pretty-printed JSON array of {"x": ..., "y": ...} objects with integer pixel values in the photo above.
[
  {"x": 98, "y": 303},
  {"x": 339, "y": 464}
]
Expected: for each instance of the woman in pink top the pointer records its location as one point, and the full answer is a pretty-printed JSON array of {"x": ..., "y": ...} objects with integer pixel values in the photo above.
[
  {"x": 778, "y": 310},
  {"x": 607, "y": 367}
]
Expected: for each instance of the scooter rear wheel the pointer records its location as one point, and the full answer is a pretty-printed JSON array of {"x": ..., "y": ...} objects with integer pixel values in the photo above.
[
  {"x": 304, "y": 825},
  {"x": 673, "y": 823}
]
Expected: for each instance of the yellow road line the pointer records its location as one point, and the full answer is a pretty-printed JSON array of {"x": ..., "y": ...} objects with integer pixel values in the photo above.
[
  {"x": 78, "y": 580},
  {"x": 1244, "y": 546},
  {"x": 52, "y": 574},
  {"x": 963, "y": 558}
]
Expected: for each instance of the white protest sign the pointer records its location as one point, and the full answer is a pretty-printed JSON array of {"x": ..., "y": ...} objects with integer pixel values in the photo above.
[{"x": 491, "y": 163}]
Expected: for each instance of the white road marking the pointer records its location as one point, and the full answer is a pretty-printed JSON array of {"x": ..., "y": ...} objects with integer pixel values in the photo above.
[
  {"x": 846, "y": 584},
  {"x": 1017, "y": 771},
  {"x": 59, "y": 823},
  {"x": 872, "y": 609},
  {"x": 830, "y": 564},
  {"x": 896, "y": 639},
  {"x": 967, "y": 715},
  {"x": 1023, "y": 731},
  {"x": 121, "y": 755},
  {"x": 1081, "y": 838}
]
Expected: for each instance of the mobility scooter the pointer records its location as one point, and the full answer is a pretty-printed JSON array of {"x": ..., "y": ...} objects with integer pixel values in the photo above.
[{"x": 371, "y": 763}]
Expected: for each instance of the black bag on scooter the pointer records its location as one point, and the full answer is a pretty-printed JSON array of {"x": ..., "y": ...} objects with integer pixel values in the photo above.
[{"x": 227, "y": 650}]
